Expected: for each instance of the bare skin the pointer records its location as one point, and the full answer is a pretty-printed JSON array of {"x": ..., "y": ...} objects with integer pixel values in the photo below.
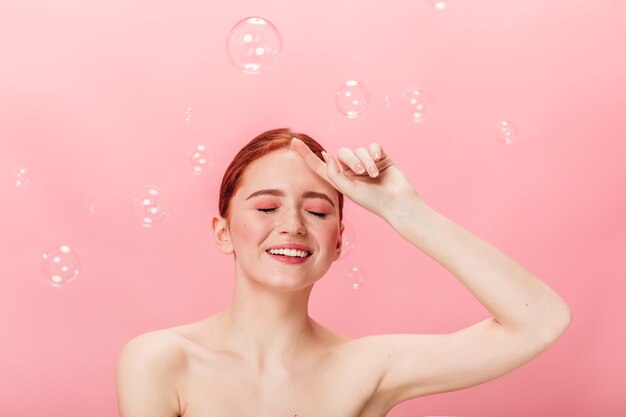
[{"x": 265, "y": 356}]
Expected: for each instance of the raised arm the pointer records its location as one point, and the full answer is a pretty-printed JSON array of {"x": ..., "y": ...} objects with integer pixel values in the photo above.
[
  {"x": 517, "y": 300},
  {"x": 528, "y": 316}
]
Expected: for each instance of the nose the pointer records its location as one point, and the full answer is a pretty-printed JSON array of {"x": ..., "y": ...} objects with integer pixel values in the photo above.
[{"x": 291, "y": 222}]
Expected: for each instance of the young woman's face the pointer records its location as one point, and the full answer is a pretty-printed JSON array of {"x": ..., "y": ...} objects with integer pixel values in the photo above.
[{"x": 281, "y": 200}]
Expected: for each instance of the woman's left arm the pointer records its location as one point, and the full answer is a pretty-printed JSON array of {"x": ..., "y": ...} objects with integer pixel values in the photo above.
[{"x": 515, "y": 298}]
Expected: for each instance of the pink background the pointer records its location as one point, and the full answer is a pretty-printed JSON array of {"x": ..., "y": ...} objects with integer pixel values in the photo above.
[{"x": 93, "y": 97}]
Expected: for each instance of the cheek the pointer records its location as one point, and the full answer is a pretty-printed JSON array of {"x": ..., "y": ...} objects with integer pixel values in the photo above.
[{"x": 330, "y": 236}]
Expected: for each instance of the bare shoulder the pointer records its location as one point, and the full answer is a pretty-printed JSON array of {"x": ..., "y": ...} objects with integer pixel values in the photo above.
[{"x": 148, "y": 368}]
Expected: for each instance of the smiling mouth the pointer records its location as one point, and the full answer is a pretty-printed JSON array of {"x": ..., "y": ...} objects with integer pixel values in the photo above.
[{"x": 296, "y": 254}]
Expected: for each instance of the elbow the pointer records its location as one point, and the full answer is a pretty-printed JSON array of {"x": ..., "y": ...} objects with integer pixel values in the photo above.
[{"x": 560, "y": 325}]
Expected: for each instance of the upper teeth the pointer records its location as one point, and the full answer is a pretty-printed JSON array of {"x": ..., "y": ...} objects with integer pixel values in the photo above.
[{"x": 289, "y": 252}]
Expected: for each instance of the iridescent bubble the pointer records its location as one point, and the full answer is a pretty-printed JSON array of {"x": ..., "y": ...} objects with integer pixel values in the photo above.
[
  {"x": 253, "y": 44},
  {"x": 506, "y": 132},
  {"x": 347, "y": 243},
  {"x": 21, "y": 178},
  {"x": 354, "y": 278},
  {"x": 149, "y": 206},
  {"x": 200, "y": 160},
  {"x": 438, "y": 4},
  {"x": 417, "y": 104},
  {"x": 61, "y": 265},
  {"x": 351, "y": 98}
]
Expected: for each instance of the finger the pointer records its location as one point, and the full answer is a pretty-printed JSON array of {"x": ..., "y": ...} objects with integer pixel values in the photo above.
[
  {"x": 377, "y": 151},
  {"x": 367, "y": 161},
  {"x": 350, "y": 160},
  {"x": 336, "y": 177},
  {"x": 312, "y": 160}
]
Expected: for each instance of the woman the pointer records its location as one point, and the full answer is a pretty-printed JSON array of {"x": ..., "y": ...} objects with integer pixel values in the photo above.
[{"x": 280, "y": 216}]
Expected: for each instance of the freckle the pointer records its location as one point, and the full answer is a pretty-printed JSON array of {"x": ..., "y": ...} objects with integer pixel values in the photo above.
[{"x": 526, "y": 305}]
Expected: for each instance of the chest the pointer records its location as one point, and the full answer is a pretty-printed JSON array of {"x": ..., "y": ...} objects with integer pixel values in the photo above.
[{"x": 218, "y": 388}]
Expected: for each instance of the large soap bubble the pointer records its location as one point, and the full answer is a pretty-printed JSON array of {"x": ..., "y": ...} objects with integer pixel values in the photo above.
[{"x": 253, "y": 44}]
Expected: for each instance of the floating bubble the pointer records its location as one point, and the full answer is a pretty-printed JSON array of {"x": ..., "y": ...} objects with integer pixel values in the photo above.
[
  {"x": 200, "y": 161},
  {"x": 253, "y": 45},
  {"x": 438, "y": 4},
  {"x": 188, "y": 114},
  {"x": 387, "y": 102},
  {"x": 351, "y": 98},
  {"x": 506, "y": 132},
  {"x": 149, "y": 206},
  {"x": 21, "y": 178},
  {"x": 61, "y": 265},
  {"x": 347, "y": 243},
  {"x": 417, "y": 104},
  {"x": 354, "y": 278}
]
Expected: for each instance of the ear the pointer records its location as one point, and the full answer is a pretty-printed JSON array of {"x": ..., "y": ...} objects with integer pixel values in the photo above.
[
  {"x": 222, "y": 235},
  {"x": 339, "y": 241}
]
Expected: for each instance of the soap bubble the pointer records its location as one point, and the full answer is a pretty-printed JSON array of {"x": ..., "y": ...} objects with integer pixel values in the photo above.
[
  {"x": 417, "y": 104},
  {"x": 188, "y": 114},
  {"x": 149, "y": 206},
  {"x": 354, "y": 278},
  {"x": 387, "y": 102},
  {"x": 200, "y": 161},
  {"x": 351, "y": 98},
  {"x": 253, "y": 44},
  {"x": 506, "y": 132},
  {"x": 438, "y": 4},
  {"x": 21, "y": 178},
  {"x": 61, "y": 265},
  {"x": 347, "y": 243}
]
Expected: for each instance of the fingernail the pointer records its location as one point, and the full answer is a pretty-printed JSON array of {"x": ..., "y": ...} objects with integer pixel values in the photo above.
[
  {"x": 373, "y": 171},
  {"x": 376, "y": 155},
  {"x": 359, "y": 168}
]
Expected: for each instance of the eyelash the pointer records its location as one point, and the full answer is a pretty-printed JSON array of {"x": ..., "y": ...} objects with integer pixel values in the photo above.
[{"x": 267, "y": 210}]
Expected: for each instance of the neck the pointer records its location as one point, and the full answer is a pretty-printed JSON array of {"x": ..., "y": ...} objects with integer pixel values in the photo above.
[{"x": 269, "y": 328}]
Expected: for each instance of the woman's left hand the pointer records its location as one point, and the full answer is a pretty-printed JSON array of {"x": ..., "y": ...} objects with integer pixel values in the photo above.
[{"x": 380, "y": 191}]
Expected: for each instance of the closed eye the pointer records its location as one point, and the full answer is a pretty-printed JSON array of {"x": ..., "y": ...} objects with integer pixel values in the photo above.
[{"x": 268, "y": 210}]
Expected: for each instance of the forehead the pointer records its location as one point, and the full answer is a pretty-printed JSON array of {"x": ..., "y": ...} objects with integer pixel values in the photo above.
[{"x": 285, "y": 170}]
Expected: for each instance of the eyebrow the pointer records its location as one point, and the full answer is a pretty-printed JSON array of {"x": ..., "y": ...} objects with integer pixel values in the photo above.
[{"x": 280, "y": 193}]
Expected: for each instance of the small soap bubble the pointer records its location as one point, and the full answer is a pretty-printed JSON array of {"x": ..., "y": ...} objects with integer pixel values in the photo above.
[
  {"x": 21, "y": 178},
  {"x": 347, "y": 243},
  {"x": 506, "y": 132},
  {"x": 387, "y": 102},
  {"x": 149, "y": 206},
  {"x": 354, "y": 278},
  {"x": 61, "y": 265},
  {"x": 188, "y": 114},
  {"x": 200, "y": 161},
  {"x": 351, "y": 98},
  {"x": 417, "y": 104},
  {"x": 253, "y": 44},
  {"x": 438, "y": 4}
]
